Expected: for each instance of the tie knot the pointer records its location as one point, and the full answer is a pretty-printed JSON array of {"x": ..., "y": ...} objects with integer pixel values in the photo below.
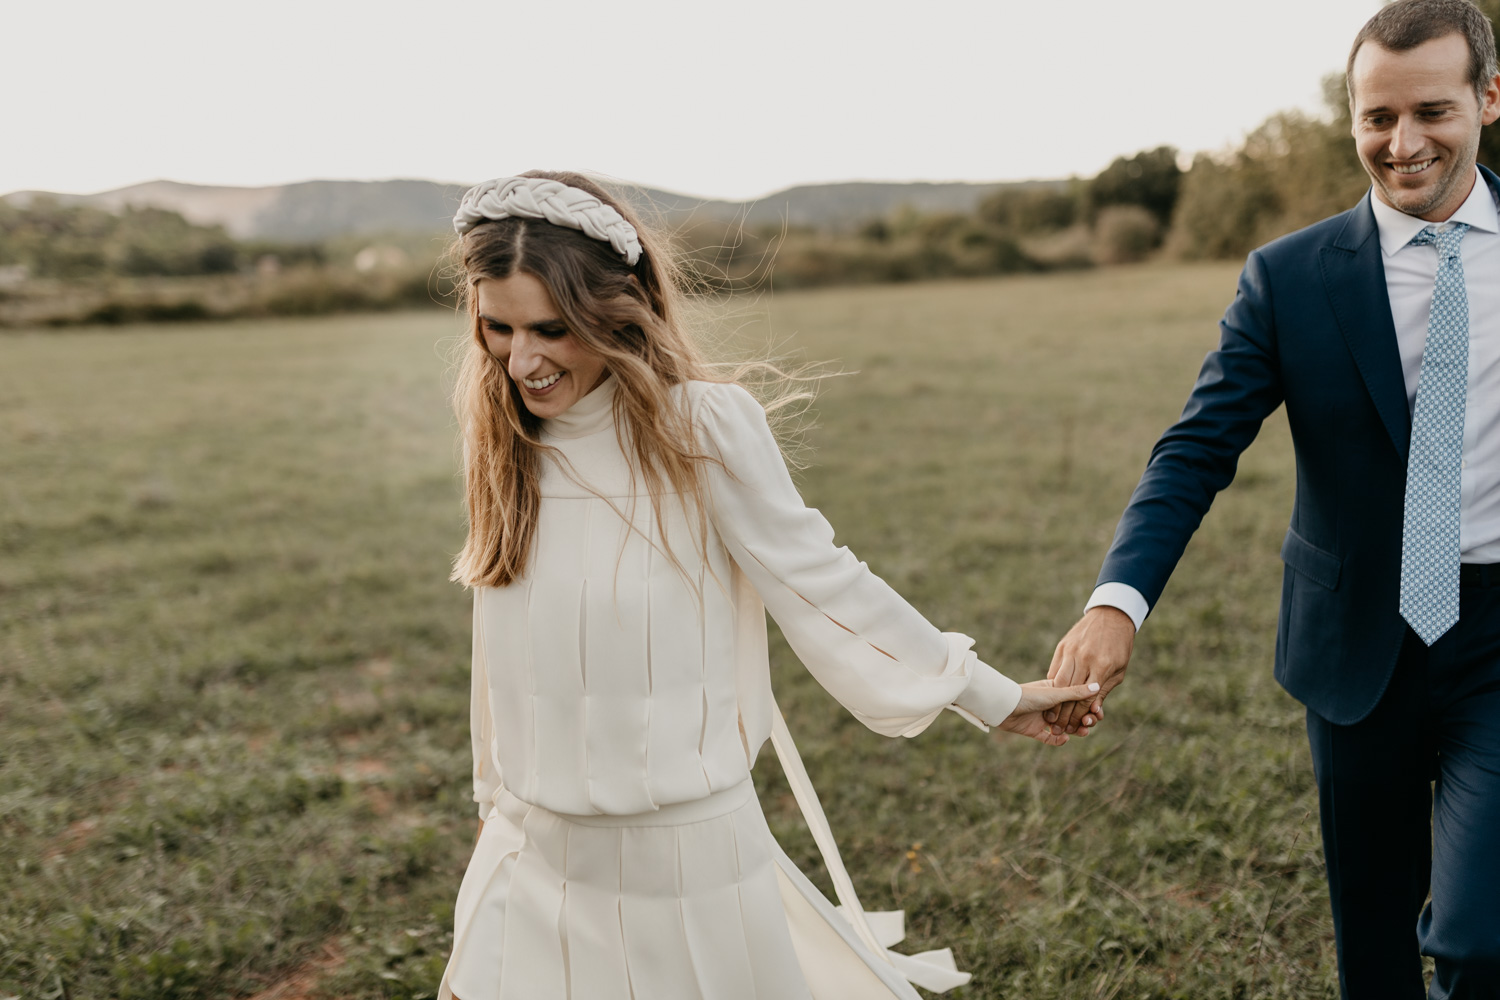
[{"x": 1446, "y": 240}]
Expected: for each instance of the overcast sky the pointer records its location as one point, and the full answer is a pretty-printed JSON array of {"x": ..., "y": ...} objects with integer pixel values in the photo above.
[{"x": 730, "y": 100}]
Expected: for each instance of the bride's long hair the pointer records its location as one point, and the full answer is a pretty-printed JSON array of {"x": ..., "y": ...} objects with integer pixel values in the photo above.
[{"x": 631, "y": 318}]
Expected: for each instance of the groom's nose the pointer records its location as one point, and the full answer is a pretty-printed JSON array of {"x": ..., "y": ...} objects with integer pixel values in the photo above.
[{"x": 1407, "y": 139}]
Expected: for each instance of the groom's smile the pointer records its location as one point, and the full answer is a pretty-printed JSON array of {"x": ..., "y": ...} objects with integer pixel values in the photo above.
[
  {"x": 1414, "y": 168},
  {"x": 1416, "y": 124}
]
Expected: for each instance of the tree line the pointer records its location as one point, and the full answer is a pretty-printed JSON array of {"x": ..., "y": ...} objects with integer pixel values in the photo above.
[
  {"x": 1291, "y": 171},
  {"x": 52, "y": 239},
  {"x": 65, "y": 264}
]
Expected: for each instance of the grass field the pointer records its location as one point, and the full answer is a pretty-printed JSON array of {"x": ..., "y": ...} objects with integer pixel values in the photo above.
[{"x": 234, "y": 679}]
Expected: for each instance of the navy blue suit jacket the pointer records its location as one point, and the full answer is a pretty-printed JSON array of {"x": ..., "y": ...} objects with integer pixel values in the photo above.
[{"x": 1310, "y": 326}]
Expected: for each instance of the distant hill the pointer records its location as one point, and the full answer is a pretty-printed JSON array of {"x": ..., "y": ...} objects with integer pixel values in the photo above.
[
  {"x": 316, "y": 210},
  {"x": 842, "y": 206},
  {"x": 312, "y": 210}
]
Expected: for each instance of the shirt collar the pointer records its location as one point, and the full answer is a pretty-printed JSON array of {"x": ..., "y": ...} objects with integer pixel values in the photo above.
[{"x": 1397, "y": 228}]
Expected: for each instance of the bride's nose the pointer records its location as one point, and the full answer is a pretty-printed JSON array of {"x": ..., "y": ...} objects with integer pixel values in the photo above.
[{"x": 525, "y": 355}]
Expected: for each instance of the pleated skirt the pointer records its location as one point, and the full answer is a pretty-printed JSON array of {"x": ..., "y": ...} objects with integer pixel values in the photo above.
[{"x": 693, "y": 902}]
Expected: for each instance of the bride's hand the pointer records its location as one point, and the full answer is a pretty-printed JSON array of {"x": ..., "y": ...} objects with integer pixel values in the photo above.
[{"x": 1039, "y": 696}]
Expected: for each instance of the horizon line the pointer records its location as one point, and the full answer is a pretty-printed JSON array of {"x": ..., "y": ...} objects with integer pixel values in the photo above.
[{"x": 608, "y": 179}]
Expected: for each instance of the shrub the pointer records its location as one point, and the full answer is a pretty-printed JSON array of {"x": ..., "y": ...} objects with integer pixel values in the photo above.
[
  {"x": 1224, "y": 208},
  {"x": 117, "y": 311},
  {"x": 1125, "y": 234},
  {"x": 1030, "y": 210},
  {"x": 1291, "y": 171},
  {"x": 1150, "y": 180},
  {"x": 1067, "y": 249}
]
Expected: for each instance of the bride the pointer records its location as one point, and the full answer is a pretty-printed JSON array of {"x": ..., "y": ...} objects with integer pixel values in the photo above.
[{"x": 630, "y": 521}]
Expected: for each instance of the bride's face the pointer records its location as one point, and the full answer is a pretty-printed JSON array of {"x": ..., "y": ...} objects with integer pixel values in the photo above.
[{"x": 523, "y": 328}]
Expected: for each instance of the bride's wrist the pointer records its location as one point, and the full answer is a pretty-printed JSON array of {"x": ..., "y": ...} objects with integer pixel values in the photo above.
[{"x": 990, "y": 695}]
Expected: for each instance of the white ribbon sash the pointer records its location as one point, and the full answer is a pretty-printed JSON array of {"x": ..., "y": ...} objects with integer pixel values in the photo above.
[{"x": 931, "y": 970}]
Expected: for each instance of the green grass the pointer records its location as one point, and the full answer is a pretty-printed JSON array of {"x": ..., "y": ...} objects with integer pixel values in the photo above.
[{"x": 234, "y": 682}]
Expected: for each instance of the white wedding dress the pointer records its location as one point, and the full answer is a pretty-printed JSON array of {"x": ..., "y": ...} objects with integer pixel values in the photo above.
[{"x": 619, "y": 702}]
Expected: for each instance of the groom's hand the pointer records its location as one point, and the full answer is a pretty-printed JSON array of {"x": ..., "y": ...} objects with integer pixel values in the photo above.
[{"x": 1095, "y": 651}]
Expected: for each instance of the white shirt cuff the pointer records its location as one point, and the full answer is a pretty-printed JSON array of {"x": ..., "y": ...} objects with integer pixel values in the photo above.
[
  {"x": 990, "y": 697},
  {"x": 1123, "y": 597}
]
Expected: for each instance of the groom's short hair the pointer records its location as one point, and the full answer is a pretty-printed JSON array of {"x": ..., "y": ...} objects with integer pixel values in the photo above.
[{"x": 1405, "y": 24}]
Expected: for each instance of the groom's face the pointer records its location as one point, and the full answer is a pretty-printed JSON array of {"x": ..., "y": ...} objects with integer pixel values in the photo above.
[{"x": 1416, "y": 124}]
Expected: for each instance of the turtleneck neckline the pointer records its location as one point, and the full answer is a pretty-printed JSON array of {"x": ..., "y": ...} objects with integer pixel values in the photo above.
[{"x": 590, "y": 415}]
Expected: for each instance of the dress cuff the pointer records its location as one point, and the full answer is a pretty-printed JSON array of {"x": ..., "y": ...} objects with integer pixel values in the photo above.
[
  {"x": 990, "y": 697},
  {"x": 485, "y": 796},
  {"x": 1121, "y": 597}
]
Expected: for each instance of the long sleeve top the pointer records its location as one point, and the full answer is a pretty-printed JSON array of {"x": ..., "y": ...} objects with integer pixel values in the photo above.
[{"x": 612, "y": 679}]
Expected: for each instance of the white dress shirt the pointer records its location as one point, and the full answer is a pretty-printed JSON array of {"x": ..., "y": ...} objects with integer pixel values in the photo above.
[{"x": 1410, "y": 273}]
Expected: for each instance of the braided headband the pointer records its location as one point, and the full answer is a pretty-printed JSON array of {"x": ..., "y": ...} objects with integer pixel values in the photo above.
[{"x": 552, "y": 201}]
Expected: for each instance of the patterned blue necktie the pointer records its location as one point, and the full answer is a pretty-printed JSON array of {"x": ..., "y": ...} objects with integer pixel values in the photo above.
[{"x": 1429, "y": 531}]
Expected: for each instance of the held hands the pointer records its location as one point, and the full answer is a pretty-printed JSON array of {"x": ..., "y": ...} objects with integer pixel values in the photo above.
[
  {"x": 1037, "y": 698},
  {"x": 1095, "y": 650}
]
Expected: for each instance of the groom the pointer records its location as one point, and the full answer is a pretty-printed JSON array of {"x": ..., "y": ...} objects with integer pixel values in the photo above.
[{"x": 1380, "y": 331}]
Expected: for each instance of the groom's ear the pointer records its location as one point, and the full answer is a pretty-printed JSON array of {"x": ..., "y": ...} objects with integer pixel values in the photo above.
[{"x": 1489, "y": 111}]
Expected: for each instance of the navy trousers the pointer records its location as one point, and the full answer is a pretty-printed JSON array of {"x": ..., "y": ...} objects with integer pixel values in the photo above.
[{"x": 1410, "y": 805}]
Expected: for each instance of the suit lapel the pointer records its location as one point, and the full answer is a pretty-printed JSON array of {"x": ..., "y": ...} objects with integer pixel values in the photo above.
[{"x": 1354, "y": 279}]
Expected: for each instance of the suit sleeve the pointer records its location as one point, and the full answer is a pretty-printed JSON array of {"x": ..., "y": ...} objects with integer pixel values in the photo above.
[
  {"x": 1238, "y": 386},
  {"x": 865, "y": 644}
]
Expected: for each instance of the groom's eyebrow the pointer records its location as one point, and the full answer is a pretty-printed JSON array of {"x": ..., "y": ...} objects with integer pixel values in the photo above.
[{"x": 1383, "y": 109}]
